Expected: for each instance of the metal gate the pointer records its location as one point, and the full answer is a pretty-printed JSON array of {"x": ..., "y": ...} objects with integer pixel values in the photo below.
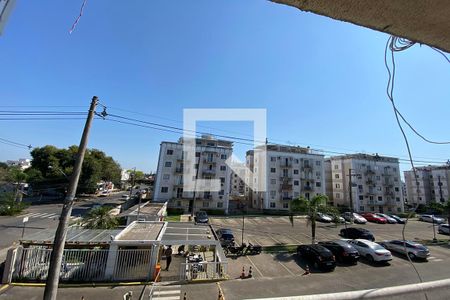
[{"x": 133, "y": 264}]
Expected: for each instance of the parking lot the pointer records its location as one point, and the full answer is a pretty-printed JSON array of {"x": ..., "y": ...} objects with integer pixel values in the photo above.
[{"x": 288, "y": 267}]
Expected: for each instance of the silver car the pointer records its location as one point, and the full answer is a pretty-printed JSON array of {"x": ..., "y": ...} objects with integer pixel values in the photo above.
[
  {"x": 431, "y": 219},
  {"x": 389, "y": 219},
  {"x": 413, "y": 250},
  {"x": 444, "y": 229}
]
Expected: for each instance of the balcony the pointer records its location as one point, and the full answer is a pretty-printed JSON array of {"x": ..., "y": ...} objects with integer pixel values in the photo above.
[
  {"x": 370, "y": 182},
  {"x": 369, "y": 172},
  {"x": 208, "y": 161},
  {"x": 285, "y": 187},
  {"x": 307, "y": 188},
  {"x": 179, "y": 171},
  {"x": 286, "y": 165},
  {"x": 285, "y": 179},
  {"x": 286, "y": 198},
  {"x": 209, "y": 171},
  {"x": 307, "y": 168},
  {"x": 207, "y": 197}
]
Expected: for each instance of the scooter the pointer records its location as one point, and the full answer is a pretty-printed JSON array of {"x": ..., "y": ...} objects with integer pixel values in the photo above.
[
  {"x": 233, "y": 249},
  {"x": 253, "y": 249}
]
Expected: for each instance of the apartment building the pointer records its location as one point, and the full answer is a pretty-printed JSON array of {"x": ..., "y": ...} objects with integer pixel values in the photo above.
[
  {"x": 237, "y": 181},
  {"x": 430, "y": 185},
  {"x": 375, "y": 183},
  {"x": 209, "y": 163},
  {"x": 283, "y": 173}
]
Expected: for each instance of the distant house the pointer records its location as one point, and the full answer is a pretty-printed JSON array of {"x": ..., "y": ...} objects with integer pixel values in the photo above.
[{"x": 22, "y": 163}]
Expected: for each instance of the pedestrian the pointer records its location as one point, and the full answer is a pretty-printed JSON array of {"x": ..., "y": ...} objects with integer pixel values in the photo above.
[{"x": 168, "y": 254}]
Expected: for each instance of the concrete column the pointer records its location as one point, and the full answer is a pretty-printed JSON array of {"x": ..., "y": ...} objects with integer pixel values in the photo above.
[
  {"x": 111, "y": 261},
  {"x": 9, "y": 265}
]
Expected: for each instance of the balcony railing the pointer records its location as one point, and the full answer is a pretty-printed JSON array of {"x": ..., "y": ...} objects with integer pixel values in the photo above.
[
  {"x": 285, "y": 187},
  {"x": 369, "y": 172},
  {"x": 307, "y": 188},
  {"x": 285, "y": 178},
  {"x": 179, "y": 170},
  {"x": 208, "y": 161},
  {"x": 209, "y": 171},
  {"x": 286, "y": 165},
  {"x": 286, "y": 198}
]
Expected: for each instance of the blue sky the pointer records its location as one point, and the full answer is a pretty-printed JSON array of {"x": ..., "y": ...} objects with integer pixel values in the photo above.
[{"x": 322, "y": 81}]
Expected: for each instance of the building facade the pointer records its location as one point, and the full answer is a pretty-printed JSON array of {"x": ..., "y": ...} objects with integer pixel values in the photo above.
[
  {"x": 365, "y": 183},
  {"x": 431, "y": 185},
  {"x": 210, "y": 157},
  {"x": 289, "y": 172},
  {"x": 22, "y": 163}
]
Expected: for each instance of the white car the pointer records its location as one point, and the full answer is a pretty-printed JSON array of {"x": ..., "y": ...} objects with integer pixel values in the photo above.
[
  {"x": 430, "y": 218},
  {"x": 373, "y": 252},
  {"x": 444, "y": 229}
]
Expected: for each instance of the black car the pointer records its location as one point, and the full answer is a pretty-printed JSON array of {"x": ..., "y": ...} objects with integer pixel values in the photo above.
[
  {"x": 225, "y": 237},
  {"x": 201, "y": 217},
  {"x": 357, "y": 233},
  {"x": 398, "y": 219},
  {"x": 343, "y": 251},
  {"x": 319, "y": 256}
]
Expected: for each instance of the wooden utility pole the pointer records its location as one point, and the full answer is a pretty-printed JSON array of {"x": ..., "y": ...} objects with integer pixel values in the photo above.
[{"x": 51, "y": 286}]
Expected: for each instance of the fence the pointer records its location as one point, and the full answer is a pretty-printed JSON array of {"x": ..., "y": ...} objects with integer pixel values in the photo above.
[
  {"x": 83, "y": 265},
  {"x": 203, "y": 271}
]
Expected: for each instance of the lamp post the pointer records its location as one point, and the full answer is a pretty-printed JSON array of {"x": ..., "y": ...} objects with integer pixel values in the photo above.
[
  {"x": 434, "y": 231},
  {"x": 59, "y": 170}
]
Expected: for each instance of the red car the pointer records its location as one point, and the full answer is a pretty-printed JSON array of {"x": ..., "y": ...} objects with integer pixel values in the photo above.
[{"x": 374, "y": 218}]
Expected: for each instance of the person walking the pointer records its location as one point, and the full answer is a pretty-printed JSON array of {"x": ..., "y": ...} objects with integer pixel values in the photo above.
[{"x": 168, "y": 254}]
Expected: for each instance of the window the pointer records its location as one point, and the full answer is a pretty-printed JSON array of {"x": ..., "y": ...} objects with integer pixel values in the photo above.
[
  {"x": 296, "y": 182},
  {"x": 223, "y": 168},
  {"x": 169, "y": 152},
  {"x": 394, "y": 169},
  {"x": 379, "y": 188},
  {"x": 273, "y": 181},
  {"x": 222, "y": 192},
  {"x": 296, "y": 161},
  {"x": 272, "y": 170},
  {"x": 336, "y": 167},
  {"x": 361, "y": 198},
  {"x": 219, "y": 204},
  {"x": 272, "y": 204},
  {"x": 317, "y": 162},
  {"x": 361, "y": 208},
  {"x": 178, "y": 203},
  {"x": 318, "y": 174},
  {"x": 164, "y": 189},
  {"x": 197, "y": 154},
  {"x": 396, "y": 189},
  {"x": 338, "y": 196},
  {"x": 336, "y": 176},
  {"x": 273, "y": 158},
  {"x": 399, "y": 209},
  {"x": 296, "y": 194},
  {"x": 223, "y": 156},
  {"x": 222, "y": 179},
  {"x": 397, "y": 199},
  {"x": 378, "y": 178},
  {"x": 295, "y": 172},
  {"x": 166, "y": 176},
  {"x": 338, "y": 186},
  {"x": 380, "y": 198},
  {"x": 205, "y": 204},
  {"x": 285, "y": 205},
  {"x": 273, "y": 194},
  {"x": 370, "y": 197},
  {"x": 168, "y": 164},
  {"x": 318, "y": 184}
]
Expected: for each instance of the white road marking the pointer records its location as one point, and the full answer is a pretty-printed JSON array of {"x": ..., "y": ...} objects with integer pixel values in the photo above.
[
  {"x": 286, "y": 268},
  {"x": 254, "y": 266}
]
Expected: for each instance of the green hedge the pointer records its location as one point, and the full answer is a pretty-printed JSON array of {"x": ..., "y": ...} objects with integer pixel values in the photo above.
[{"x": 175, "y": 211}]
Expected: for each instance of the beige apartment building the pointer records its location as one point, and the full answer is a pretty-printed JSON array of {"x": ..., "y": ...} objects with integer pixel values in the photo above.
[
  {"x": 210, "y": 157},
  {"x": 283, "y": 173},
  {"x": 431, "y": 185},
  {"x": 372, "y": 182}
]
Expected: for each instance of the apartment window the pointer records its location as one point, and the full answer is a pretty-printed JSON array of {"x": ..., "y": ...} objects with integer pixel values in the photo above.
[
  {"x": 338, "y": 196},
  {"x": 361, "y": 208},
  {"x": 223, "y": 156},
  {"x": 285, "y": 173},
  {"x": 395, "y": 179},
  {"x": 166, "y": 176},
  {"x": 396, "y": 189},
  {"x": 272, "y": 204},
  {"x": 223, "y": 168},
  {"x": 318, "y": 184},
  {"x": 338, "y": 186},
  {"x": 380, "y": 198},
  {"x": 361, "y": 198},
  {"x": 296, "y": 161},
  {"x": 197, "y": 154},
  {"x": 318, "y": 174},
  {"x": 360, "y": 187},
  {"x": 169, "y": 152},
  {"x": 397, "y": 199},
  {"x": 336, "y": 167},
  {"x": 272, "y": 170},
  {"x": 372, "y": 208},
  {"x": 296, "y": 182},
  {"x": 317, "y": 162},
  {"x": 235, "y": 187},
  {"x": 273, "y": 158},
  {"x": 205, "y": 204},
  {"x": 222, "y": 179},
  {"x": 336, "y": 176},
  {"x": 379, "y": 188},
  {"x": 196, "y": 166},
  {"x": 285, "y": 205},
  {"x": 370, "y": 197},
  {"x": 273, "y": 194},
  {"x": 168, "y": 164},
  {"x": 296, "y": 194},
  {"x": 394, "y": 169},
  {"x": 378, "y": 178},
  {"x": 295, "y": 172},
  {"x": 219, "y": 204},
  {"x": 164, "y": 189},
  {"x": 273, "y": 181}
]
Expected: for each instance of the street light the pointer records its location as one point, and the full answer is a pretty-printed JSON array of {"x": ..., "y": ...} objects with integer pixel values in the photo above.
[
  {"x": 434, "y": 231},
  {"x": 58, "y": 169}
]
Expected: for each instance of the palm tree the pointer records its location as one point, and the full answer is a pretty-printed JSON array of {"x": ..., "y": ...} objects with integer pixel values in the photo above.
[
  {"x": 100, "y": 218},
  {"x": 318, "y": 204}
]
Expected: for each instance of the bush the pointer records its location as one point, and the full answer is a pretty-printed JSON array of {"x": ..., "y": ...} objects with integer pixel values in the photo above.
[
  {"x": 405, "y": 215},
  {"x": 214, "y": 212},
  {"x": 174, "y": 211},
  {"x": 9, "y": 206}
]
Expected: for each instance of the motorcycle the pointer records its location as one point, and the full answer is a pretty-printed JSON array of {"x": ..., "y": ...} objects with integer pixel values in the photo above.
[
  {"x": 253, "y": 249},
  {"x": 234, "y": 249}
]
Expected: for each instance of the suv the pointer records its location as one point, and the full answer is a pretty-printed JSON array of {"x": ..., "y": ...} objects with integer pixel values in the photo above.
[
  {"x": 343, "y": 251},
  {"x": 201, "y": 217},
  {"x": 444, "y": 229},
  {"x": 357, "y": 233},
  {"x": 225, "y": 237},
  {"x": 321, "y": 257}
]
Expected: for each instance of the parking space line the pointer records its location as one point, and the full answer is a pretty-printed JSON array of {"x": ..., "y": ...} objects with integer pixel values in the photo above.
[
  {"x": 256, "y": 268},
  {"x": 293, "y": 238},
  {"x": 276, "y": 241},
  {"x": 286, "y": 268}
]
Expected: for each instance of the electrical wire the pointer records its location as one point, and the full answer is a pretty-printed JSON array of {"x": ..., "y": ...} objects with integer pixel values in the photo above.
[{"x": 16, "y": 143}]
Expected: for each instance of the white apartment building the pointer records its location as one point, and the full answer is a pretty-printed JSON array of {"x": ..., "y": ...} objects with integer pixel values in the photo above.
[
  {"x": 290, "y": 172},
  {"x": 237, "y": 181},
  {"x": 22, "y": 163},
  {"x": 432, "y": 184},
  {"x": 210, "y": 157},
  {"x": 375, "y": 183}
]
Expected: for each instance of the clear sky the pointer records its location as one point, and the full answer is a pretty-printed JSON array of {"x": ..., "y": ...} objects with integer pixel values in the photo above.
[{"x": 322, "y": 81}]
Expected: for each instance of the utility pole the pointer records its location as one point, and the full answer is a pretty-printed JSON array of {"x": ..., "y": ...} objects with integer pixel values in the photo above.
[
  {"x": 139, "y": 206},
  {"x": 51, "y": 286},
  {"x": 195, "y": 188},
  {"x": 132, "y": 182}
]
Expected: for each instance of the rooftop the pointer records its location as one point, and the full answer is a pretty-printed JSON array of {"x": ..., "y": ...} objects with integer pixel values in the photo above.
[
  {"x": 185, "y": 231},
  {"x": 149, "y": 209},
  {"x": 141, "y": 231},
  {"x": 363, "y": 156},
  {"x": 75, "y": 235}
]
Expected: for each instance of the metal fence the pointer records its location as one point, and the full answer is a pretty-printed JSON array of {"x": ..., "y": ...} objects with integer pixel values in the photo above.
[
  {"x": 203, "y": 271},
  {"x": 83, "y": 265}
]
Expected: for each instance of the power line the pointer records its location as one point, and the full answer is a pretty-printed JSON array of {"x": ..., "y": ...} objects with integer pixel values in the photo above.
[{"x": 15, "y": 143}]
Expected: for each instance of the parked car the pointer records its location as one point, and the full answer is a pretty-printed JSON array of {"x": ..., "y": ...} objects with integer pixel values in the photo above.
[
  {"x": 398, "y": 219},
  {"x": 372, "y": 251},
  {"x": 125, "y": 197},
  {"x": 429, "y": 219},
  {"x": 319, "y": 256},
  {"x": 354, "y": 217},
  {"x": 444, "y": 229},
  {"x": 201, "y": 217},
  {"x": 225, "y": 236},
  {"x": 321, "y": 217},
  {"x": 357, "y": 233},
  {"x": 342, "y": 251},
  {"x": 413, "y": 249},
  {"x": 374, "y": 218},
  {"x": 389, "y": 219}
]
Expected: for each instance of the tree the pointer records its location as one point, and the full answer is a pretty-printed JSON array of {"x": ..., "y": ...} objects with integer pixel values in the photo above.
[
  {"x": 17, "y": 177},
  {"x": 9, "y": 206},
  {"x": 100, "y": 218},
  {"x": 318, "y": 204}
]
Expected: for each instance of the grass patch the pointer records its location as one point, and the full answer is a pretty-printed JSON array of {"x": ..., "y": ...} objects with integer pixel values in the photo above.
[
  {"x": 174, "y": 218},
  {"x": 439, "y": 242},
  {"x": 280, "y": 248}
]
